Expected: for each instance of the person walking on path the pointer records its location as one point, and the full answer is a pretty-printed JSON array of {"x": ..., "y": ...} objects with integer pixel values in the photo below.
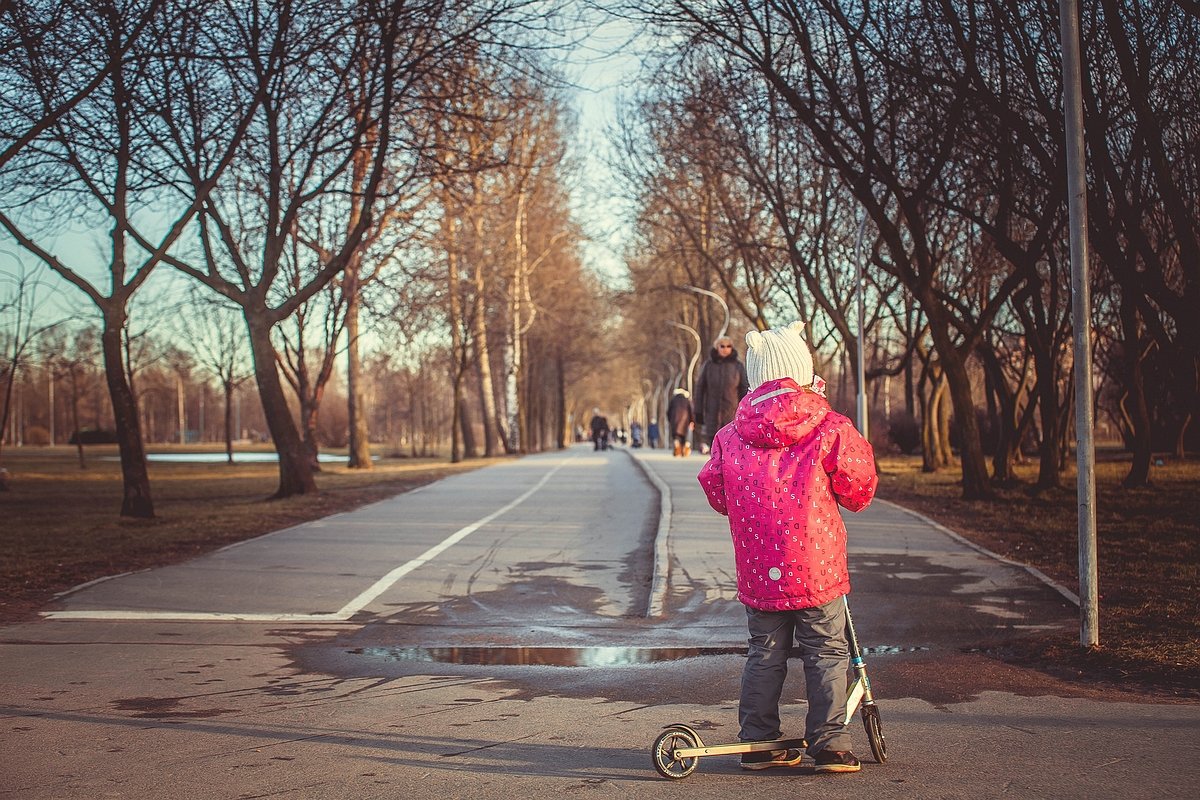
[
  {"x": 721, "y": 385},
  {"x": 779, "y": 471},
  {"x": 599, "y": 428},
  {"x": 681, "y": 420}
]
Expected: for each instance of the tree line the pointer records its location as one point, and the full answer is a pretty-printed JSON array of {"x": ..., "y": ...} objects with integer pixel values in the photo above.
[
  {"x": 323, "y": 174},
  {"x": 782, "y": 145}
]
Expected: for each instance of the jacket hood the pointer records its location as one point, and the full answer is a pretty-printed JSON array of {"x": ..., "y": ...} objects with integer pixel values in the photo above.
[{"x": 779, "y": 414}]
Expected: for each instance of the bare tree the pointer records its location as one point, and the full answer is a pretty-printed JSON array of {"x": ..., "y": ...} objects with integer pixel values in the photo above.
[
  {"x": 108, "y": 156},
  {"x": 73, "y": 356},
  {"x": 21, "y": 324},
  {"x": 215, "y": 337},
  {"x": 336, "y": 80},
  {"x": 846, "y": 75}
]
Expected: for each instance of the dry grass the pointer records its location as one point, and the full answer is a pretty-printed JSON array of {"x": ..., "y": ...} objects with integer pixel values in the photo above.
[
  {"x": 1148, "y": 543},
  {"x": 59, "y": 525}
]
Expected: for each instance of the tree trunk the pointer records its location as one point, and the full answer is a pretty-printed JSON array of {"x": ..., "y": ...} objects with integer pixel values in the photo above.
[
  {"x": 1049, "y": 452},
  {"x": 910, "y": 406},
  {"x": 75, "y": 419},
  {"x": 310, "y": 413},
  {"x": 470, "y": 448},
  {"x": 1002, "y": 458},
  {"x": 928, "y": 407},
  {"x": 1004, "y": 417},
  {"x": 295, "y": 465},
  {"x": 456, "y": 448},
  {"x": 1139, "y": 414},
  {"x": 483, "y": 365},
  {"x": 356, "y": 406},
  {"x": 457, "y": 345},
  {"x": 1139, "y": 470},
  {"x": 974, "y": 465},
  {"x": 136, "y": 501},
  {"x": 513, "y": 355},
  {"x": 561, "y": 402},
  {"x": 945, "y": 454},
  {"x": 227, "y": 386}
]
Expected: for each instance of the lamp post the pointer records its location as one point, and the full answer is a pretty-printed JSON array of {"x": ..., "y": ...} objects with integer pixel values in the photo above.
[
  {"x": 1081, "y": 315},
  {"x": 181, "y": 415},
  {"x": 695, "y": 357},
  {"x": 719, "y": 299},
  {"x": 861, "y": 376}
]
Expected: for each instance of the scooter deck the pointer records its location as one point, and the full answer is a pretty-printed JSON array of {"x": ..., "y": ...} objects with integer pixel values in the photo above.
[{"x": 739, "y": 747}]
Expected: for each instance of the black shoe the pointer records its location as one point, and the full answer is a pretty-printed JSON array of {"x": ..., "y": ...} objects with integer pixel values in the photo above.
[
  {"x": 837, "y": 761},
  {"x": 765, "y": 759}
]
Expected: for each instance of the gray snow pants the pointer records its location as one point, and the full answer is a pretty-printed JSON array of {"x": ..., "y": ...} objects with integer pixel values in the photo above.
[{"x": 820, "y": 634}]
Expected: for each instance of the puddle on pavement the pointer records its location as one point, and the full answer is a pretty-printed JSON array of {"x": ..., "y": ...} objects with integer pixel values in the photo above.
[
  {"x": 545, "y": 656},
  {"x": 570, "y": 656}
]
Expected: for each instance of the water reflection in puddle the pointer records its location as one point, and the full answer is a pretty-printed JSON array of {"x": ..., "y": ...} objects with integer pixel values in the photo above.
[
  {"x": 546, "y": 656},
  {"x": 570, "y": 656}
]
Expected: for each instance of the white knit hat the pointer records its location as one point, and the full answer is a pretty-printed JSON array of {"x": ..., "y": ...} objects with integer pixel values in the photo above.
[{"x": 778, "y": 353}]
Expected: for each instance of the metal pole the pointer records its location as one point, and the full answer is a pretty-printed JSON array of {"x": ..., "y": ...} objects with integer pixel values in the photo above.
[
  {"x": 691, "y": 367},
  {"x": 50, "y": 381},
  {"x": 724, "y": 307},
  {"x": 1089, "y": 628},
  {"x": 861, "y": 376},
  {"x": 179, "y": 398}
]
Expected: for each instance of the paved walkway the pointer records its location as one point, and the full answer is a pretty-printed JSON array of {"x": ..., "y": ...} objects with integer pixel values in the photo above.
[{"x": 311, "y": 701}]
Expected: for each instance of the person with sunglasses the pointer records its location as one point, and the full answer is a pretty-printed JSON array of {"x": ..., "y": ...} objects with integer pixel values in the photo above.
[{"x": 721, "y": 385}]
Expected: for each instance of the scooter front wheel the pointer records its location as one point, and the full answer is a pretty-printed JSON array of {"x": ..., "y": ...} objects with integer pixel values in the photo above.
[
  {"x": 874, "y": 726},
  {"x": 663, "y": 754}
]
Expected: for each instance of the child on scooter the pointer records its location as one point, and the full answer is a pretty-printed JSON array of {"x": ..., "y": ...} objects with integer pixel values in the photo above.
[{"x": 779, "y": 471}]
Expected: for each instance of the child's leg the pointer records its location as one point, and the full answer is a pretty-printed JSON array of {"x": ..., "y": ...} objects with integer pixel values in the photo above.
[
  {"x": 764, "y": 674},
  {"x": 821, "y": 636}
]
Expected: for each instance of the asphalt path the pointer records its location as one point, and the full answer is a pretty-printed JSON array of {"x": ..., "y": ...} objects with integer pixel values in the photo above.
[{"x": 527, "y": 629}]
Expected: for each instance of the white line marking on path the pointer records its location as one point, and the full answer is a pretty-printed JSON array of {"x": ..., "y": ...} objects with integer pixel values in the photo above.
[{"x": 346, "y": 612}]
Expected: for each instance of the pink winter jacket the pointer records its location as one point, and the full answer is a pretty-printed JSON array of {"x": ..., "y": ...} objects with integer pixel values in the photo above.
[{"x": 779, "y": 472}]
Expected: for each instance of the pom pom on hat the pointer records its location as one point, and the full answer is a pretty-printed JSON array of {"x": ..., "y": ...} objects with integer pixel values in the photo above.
[{"x": 778, "y": 353}]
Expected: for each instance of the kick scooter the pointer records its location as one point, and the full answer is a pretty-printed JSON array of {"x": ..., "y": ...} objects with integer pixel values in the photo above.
[
  {"x": 860, "y": 694},
  {"x": 678, "y": 749}
]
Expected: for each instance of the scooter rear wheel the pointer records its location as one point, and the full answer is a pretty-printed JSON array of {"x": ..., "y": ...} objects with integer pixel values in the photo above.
[
  {"x": 874, "y": 726},
  {"x": 663, "y": 754}
]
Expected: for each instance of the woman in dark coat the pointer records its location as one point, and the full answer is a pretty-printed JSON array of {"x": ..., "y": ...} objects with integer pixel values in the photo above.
[
  {"x": 679, "y": 419},
  {"x": 721, "y": 385}
]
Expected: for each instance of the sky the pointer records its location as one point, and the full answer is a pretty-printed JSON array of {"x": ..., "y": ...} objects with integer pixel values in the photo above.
[{"x": 604, "y": 68}]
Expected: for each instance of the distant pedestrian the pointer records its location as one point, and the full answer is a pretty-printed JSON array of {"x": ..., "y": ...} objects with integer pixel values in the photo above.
[
  {"x": 681, "y": 420},
  {"x": 600, "y": 430},
  {"x": 779, "y": 472},
  {"x": 721, "y": 385},
  {"x": 635, "y": 433},
  {"x": 653, "y": 437}
]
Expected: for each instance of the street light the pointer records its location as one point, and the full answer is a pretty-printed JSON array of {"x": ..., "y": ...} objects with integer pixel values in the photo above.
[
  {"x": 719, "y": 299},
  {"x": 861, "y": 376},
  {"x": 692, "y": 364},
  {"x": 1081, "y": 315}
]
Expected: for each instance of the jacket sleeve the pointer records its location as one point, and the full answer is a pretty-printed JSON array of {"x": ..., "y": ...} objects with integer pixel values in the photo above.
[
  {"x": 712, "y": 480},
  {"x": 850, "y": 464},
  {"x": 743, "y": 381}
]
